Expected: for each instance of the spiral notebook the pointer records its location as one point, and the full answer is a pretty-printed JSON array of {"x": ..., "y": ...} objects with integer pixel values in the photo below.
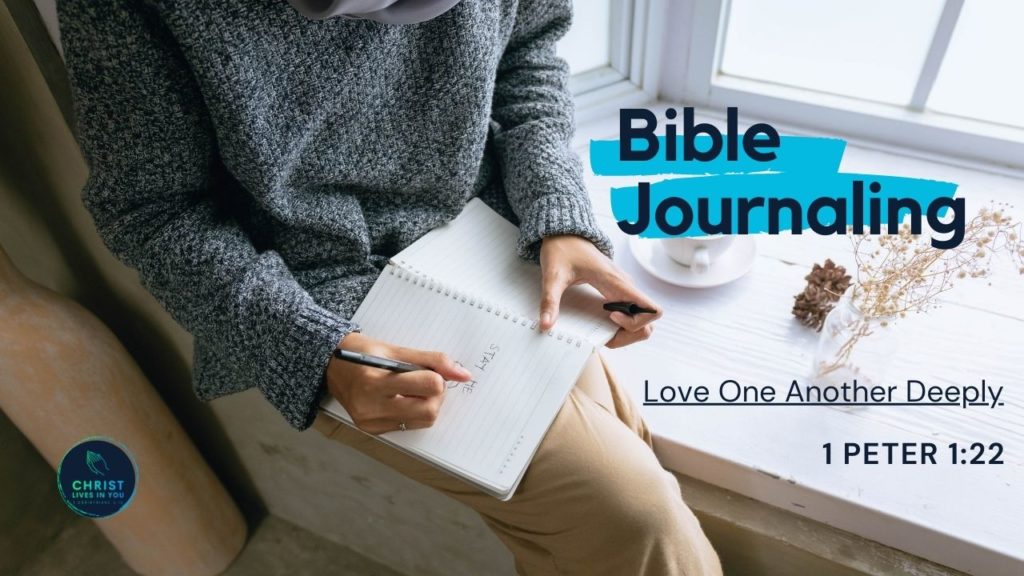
[{"x": 462, "y": 289}]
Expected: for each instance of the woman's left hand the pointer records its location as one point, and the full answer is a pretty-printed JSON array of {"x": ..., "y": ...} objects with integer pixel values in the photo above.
[{"x": 569, "y": 260}]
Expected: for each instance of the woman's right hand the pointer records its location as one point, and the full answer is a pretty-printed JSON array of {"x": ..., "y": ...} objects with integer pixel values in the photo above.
[{"x": 381, "y": 401}]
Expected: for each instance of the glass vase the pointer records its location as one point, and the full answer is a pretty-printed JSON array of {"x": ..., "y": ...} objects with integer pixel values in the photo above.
[{"x": 853, "y": 346}]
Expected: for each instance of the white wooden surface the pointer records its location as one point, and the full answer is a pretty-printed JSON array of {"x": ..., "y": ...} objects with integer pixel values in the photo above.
[{"x": 967, "y": 517}]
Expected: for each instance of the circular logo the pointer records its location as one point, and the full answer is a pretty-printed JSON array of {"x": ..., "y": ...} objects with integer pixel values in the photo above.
[{"x": 97, "y": 478}]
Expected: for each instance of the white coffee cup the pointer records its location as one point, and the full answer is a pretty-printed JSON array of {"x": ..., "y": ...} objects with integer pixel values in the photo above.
[{"x": 697, "y": 253}]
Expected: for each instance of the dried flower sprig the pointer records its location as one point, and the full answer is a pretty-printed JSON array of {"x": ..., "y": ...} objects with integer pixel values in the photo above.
[{"x": 901, "y": 274}]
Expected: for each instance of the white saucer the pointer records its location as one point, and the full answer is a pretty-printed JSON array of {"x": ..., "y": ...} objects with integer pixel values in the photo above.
[{"x": 734, "y": 263}]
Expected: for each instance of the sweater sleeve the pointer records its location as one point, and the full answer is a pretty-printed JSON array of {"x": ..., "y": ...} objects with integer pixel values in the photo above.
[
  {"x": 533, "y": 112},
  {"x": 152, "y": 192}
]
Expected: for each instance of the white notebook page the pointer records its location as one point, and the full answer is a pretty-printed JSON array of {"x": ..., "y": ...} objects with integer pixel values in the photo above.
[
  {"x": 487, "y": 431},
  {"x": 477, "y": 253}
]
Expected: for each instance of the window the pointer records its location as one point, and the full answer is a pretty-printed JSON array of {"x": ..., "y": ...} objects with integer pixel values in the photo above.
[
  {"x": 937, "y": 75},
  {"x": 799, "y": 43},
  {"x": 606, "y": 48},
  {"x": 987, "y": 32},
  {"x": 587, "y": 44}
]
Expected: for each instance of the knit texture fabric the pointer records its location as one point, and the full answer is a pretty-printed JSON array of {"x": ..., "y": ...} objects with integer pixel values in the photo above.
[{"x": 258, "y": 168}]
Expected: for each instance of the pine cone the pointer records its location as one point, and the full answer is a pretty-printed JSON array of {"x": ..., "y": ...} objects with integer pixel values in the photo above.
[
  {"x": 811, "y": 306},
  {"x": 825, "y": 285},
  {"x": 830, "y": 277}
]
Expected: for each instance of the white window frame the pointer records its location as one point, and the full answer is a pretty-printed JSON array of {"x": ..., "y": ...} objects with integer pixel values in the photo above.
[
  {"x": 632, "y": 75},
  {"x": 699, "y": 82}
]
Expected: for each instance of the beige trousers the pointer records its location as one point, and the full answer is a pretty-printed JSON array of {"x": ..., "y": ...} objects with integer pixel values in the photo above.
[{"x": 594, "y": 501}]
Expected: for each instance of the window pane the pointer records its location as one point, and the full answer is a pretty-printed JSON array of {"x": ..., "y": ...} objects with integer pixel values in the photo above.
[
  {"x": 981, "y": 76},
  {"x": 587, "y": 45},
  {"x": 870, "y": 49}
]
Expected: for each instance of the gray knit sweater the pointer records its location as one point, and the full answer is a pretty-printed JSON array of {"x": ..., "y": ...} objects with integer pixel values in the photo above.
[{"x": 258, "y": 168}]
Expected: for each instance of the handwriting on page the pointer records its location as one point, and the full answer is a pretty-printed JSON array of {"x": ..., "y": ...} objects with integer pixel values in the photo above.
[
  {"x": 481, "y": 365},
  {"x": 487, "y": 357},
  {"x": 464, "y": 387}
]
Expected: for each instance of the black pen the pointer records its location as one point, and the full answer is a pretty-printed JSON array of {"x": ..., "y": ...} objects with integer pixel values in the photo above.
[
  {"x": 630, "y": 308},
  {"x": 375, "y": 361}
]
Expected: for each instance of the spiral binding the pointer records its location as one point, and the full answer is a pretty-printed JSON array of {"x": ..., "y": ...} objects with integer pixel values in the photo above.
[{"x": 404, "y": 271}]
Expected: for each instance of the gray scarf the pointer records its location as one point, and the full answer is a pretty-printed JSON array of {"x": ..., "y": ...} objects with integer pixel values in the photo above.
[{"x": 386, "y": 11}]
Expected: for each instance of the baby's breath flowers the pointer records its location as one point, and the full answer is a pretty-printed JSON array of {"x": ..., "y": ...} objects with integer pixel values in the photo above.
[{"x": 901, "y": 274}]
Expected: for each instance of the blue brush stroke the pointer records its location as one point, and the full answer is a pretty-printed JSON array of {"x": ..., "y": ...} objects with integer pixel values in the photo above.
[
  {"x": 795, "y": 153},
  {"x": 805, "y": 169},
  {"x": 805, "y": 188}
]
